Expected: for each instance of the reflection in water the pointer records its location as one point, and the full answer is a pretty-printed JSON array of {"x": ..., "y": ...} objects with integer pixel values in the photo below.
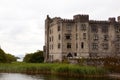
[
  {"x": 69, "y": 78},
  {"x": 18, "y": 76}
]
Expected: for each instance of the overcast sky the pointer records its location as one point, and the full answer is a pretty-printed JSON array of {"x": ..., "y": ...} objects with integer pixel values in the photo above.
[{"x": 22, "y": 21}]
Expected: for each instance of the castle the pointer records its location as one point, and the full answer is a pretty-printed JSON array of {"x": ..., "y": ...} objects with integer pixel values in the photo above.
[{"x": 81, "y": 37}]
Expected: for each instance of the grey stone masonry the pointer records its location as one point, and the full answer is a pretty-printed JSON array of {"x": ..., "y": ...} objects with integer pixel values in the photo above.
[{"x": 81, "y": 37}]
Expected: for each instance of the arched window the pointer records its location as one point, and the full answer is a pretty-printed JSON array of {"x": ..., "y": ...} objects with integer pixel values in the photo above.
[{"x": 69, "y": 55}]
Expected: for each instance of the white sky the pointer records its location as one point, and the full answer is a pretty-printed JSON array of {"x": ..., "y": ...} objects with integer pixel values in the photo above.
[{"x": 22, "y": 21}]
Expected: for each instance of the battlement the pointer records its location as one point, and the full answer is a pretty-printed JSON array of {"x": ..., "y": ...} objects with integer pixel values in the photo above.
[
  {"x": 98, "y": 22},
  {"x": 68, "y": 20},
  {"x": 84, "y": 18},
  {"x": 112, "y": 19},
  {"x": 81, "y": 17},
  {"x": 56, "y": 18}
]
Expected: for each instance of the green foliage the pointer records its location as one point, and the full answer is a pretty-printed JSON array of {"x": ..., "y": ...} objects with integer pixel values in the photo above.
[
  {"x": 27, "y": 57},
  {"x": 2, "y": 56},
  {"x": 6, "y": 58},
  {"x": 47, "y": 68},
  {"x": 10, "y": 58},
  {"x": 36, "y": 57}
]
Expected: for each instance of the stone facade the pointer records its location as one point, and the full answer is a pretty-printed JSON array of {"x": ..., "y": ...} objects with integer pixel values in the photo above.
[{"x": 81, "y": 37}]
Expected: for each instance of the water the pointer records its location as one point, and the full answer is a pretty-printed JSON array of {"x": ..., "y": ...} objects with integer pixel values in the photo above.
[{"x": 18, "y": 76}]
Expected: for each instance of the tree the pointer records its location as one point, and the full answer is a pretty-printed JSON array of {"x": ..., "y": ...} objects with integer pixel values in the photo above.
[
  {"x": 10, "y": 58},
  {"x": 2, "y": 56},
  {"x": 27, "y": 57},
  {"x": 36, "y": 57},
  {"x": 6, "y": 58}
]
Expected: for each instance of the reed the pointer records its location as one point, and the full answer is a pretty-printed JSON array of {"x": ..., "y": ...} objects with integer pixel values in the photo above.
[{"x": 51, "y": 68}]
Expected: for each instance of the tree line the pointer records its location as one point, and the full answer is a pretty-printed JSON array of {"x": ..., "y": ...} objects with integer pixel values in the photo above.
[{"x": 35, "y": 57}]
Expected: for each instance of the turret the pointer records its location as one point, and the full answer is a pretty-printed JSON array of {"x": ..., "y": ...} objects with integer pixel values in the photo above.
[
  {"x": 47, "y": 25},
  {"x": 81, "y": 18}
]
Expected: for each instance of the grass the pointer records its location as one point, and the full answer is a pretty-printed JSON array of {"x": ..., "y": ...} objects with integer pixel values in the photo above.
[{"x": 51, "y": 68}]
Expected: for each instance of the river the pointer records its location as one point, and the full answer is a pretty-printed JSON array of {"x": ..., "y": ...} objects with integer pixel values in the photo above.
[{"x": 18, "y": 76}]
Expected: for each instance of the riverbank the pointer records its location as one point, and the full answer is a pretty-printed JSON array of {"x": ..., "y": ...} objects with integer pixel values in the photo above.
[{"x": 53, "y": 68}]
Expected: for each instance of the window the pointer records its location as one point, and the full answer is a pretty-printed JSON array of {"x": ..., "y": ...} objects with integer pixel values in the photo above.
[
  {"x": 58, "y": 45},
  {"x": 52, "y": 38},
  {"x": 76, "y": 45},
  {"x": 84, "y": 35},
  {"x": 75, "y": 54},
  {"x": 58, "y": 27},
  {"x": 68, "y": 36},
  {"x": 82, "y": 45},
  {"x": 59, "y": 37},
  {"x": 94, "y": 46},
  {"x": 83, "y": 27},
  {"x": 94, "y": 28},
  {"x": 105, "y": 46},
  {"x": 117, "y": 37},
  {"x": 106, "y": 37},
  {"x": 68, "y": 45},
  {"x": 95, "y": 37},
  {"x": 68, "y": 27},
  {"x": 104, "y": 29},
  {"x": 76, "y": 36}
]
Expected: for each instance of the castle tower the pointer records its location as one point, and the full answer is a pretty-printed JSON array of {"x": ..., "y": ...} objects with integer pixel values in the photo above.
[
  {"x": 46, "y": 47},
  {"x": 82, "y": 24}
]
